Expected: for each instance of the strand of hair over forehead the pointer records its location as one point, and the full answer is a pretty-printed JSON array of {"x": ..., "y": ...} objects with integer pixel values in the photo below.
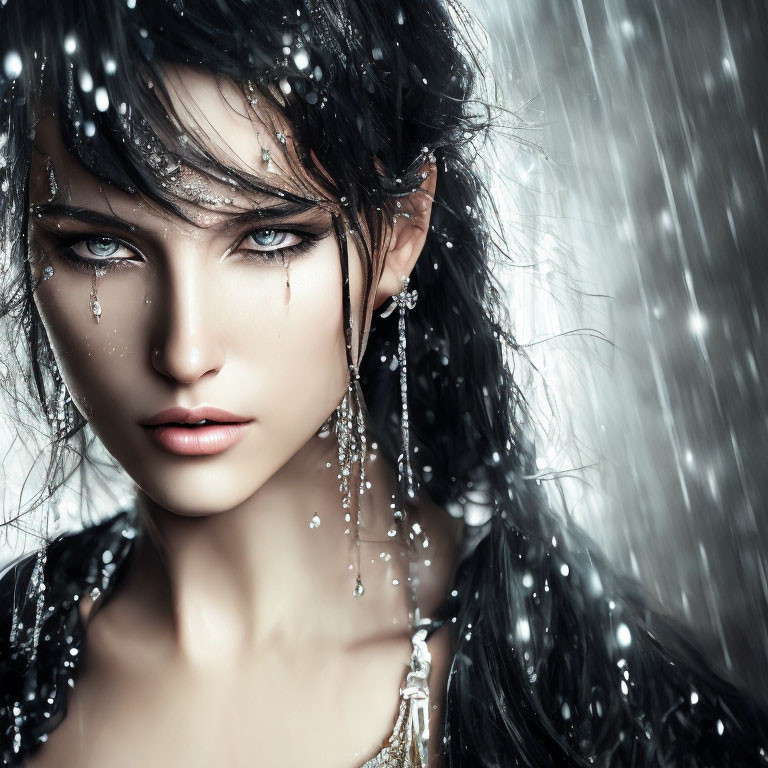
[{"x": 540, "y": 621}]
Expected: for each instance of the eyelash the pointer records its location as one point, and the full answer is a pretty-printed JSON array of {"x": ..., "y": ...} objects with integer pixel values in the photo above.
[{"x": 66, "y": 249}]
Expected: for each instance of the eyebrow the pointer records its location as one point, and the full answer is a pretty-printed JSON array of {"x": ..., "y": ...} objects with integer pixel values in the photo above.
[{"x": 233, "y": 221}]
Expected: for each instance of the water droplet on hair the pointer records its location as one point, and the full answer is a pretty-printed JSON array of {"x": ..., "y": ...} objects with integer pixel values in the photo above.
[
  {"x": 101, "y": 99},
  {"x": 12, "y": 65},
  {"x": 86, "y": 81}
]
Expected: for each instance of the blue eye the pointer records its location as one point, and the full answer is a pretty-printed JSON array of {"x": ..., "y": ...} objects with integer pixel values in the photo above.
[
  {"x": 102, "y": 250},
  {"x": 104, "y": 247},
  {"x": 272, "y": 239}
]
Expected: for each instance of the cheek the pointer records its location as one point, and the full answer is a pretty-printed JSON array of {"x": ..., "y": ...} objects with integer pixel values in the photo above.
[
  {"x": 97, "y": 361},
  {"x": 298, "y": 348}
]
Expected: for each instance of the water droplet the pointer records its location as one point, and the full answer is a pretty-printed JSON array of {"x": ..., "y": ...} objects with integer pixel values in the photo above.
[
  {"x": 102, "y": 99},
  {"x": 86, "y": 81},
  {"x": 12, "y": 65},
  {"x": 623, "y": 635},
  {"x": 527, "y": 580}
]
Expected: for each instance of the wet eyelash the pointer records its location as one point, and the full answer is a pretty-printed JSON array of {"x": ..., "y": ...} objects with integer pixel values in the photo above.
[
  {"x": 66, "y": 250},
  {"x": 278, "y": 254}
]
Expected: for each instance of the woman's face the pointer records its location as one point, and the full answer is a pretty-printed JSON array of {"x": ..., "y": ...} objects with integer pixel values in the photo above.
[{"x": 192, "y": 314}]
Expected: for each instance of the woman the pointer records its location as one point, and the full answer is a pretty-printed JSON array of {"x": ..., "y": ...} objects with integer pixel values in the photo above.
[{"x": 249, "y": 248}]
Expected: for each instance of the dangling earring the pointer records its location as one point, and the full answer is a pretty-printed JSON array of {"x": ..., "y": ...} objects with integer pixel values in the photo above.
[
  {"x": 352, "y": 443},
  {"x": 404, "y": 300},
  {"x": 350, "y": 422},
  {"x": 93, "y": 299}
]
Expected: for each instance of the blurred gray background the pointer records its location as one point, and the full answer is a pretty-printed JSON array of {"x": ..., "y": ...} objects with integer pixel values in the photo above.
[{"x": 647, "y": 210}]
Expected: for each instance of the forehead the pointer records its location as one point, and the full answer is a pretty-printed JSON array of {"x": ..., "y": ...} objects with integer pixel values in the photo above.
[{"x": 242, "y": 134}]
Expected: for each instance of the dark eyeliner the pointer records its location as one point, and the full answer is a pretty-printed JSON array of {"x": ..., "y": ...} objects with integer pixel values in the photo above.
[
  {"x": 308, "y": 241},
  {"x": 66, "y": 245}
]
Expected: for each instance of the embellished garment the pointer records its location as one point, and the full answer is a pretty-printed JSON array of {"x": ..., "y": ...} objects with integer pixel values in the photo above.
[
  {"x": 36, "y": 673},
  {"x": 407, "y": 746}
]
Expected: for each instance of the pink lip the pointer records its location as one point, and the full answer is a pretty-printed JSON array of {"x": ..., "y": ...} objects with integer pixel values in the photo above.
[{"x": 207, "y": 440}]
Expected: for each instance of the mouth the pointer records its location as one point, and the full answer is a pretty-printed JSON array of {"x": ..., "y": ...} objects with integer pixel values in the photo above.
[{"x": 203, "y": 431}]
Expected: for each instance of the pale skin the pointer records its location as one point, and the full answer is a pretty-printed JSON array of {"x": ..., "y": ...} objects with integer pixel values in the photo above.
[{"x": 235, "y": 638}]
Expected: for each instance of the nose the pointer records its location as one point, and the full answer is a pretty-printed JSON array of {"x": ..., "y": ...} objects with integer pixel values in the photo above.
[{"x": 186, "y": 343}]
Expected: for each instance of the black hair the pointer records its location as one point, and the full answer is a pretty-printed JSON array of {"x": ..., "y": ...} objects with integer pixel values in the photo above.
[{"x": 557, "y": 662}]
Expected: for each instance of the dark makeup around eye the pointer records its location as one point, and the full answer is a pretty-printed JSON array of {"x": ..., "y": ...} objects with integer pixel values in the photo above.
[{"x": 56, "y": 228}]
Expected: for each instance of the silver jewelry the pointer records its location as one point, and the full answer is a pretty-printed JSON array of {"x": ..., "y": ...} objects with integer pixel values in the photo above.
[
  {"x": 352, "y": 450},
  {"x": 93, "y": 299},
  {"x": 404, "y": 300},
  {"x": 53, "y": 186}
]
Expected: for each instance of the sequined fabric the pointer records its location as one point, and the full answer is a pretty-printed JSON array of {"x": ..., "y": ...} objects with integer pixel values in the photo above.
[
  {"x": 407, "y": 747},
  {"x": 34, "y": 685}
]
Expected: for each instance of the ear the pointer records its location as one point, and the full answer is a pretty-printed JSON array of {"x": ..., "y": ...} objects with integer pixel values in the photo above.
[{"x": 407, "y": 237}]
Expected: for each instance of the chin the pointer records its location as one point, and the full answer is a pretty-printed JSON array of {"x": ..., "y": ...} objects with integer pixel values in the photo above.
[{"x": 199, "y": 493}]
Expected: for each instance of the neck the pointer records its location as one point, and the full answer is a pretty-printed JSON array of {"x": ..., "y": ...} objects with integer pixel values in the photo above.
[{"x": 258, "y": 572}]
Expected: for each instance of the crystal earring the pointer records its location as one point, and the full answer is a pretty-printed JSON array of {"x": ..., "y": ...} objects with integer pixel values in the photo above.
[
  {"x": 352, "y": 450},
  {"x": 404, "y": 300},
  {"x": 93, "y": 299}
]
